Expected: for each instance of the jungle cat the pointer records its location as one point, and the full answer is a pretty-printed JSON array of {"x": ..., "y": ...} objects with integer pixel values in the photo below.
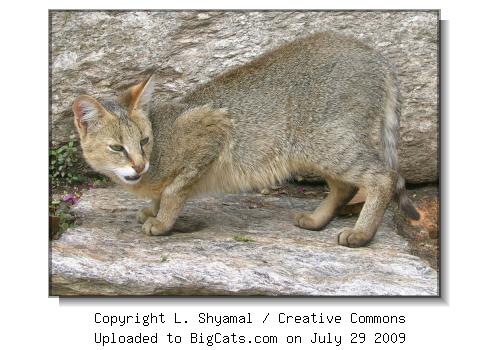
[{"x": 324, "y": 103}]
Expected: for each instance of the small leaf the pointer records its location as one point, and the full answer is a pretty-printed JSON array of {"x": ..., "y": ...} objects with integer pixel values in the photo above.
[{"x": 242, "y": 239}]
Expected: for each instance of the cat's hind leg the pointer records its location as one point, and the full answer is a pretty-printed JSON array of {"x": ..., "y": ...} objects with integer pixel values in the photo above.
[
  {"x": 340, "y": 194},
  {"x": 379, "y": 183}
]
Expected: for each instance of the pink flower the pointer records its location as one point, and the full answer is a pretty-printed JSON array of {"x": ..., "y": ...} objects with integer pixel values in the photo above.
[{"x": 70, "y": 198}]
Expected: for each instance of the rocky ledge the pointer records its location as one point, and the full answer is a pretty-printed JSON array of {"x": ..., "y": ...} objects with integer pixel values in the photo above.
[{"x": 228, "y": 245}]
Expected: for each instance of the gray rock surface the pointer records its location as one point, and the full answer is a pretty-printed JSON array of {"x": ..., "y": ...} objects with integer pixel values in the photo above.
[
  {"x": 106, "y": 254},
  {"x": 99, "y": 52}
]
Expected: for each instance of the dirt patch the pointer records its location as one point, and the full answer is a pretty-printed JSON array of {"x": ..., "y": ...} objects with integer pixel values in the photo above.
[{"x": 423, "y": 235}]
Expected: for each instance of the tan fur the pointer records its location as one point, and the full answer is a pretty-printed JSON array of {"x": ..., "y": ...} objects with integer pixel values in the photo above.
[{"x": 310, "y": 105}]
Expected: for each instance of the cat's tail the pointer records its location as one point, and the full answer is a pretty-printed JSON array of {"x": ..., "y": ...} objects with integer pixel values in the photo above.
[{"x": 390, "y": 139}]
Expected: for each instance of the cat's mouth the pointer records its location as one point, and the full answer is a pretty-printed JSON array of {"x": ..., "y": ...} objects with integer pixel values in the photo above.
[
  {"x": 132, "y": 178},
  {"x": 128, "y": 175}
]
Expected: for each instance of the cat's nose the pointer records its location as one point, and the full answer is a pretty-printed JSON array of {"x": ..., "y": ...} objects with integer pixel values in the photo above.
[{"x": 138, "y": 168}]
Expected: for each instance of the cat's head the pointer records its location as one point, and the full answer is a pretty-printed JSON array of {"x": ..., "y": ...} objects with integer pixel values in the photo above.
[{"x": 115, "y": 134}]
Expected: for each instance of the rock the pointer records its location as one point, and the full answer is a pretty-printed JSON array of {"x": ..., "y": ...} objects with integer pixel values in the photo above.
[
  {"x": 228, "y": 245},
  {"x": 100, "y": 52},
  {"x": 265, "y": 191}
]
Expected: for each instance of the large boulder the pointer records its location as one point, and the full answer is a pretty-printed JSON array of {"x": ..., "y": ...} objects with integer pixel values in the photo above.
[
  {"x": 99, "y": 52},
  {"x": 229, "y": 245}
]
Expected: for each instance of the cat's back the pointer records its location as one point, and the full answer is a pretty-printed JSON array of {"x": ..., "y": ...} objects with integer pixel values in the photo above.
[
  {"x": 291, "y": 67},
  {"x": 289, "y": 94}
]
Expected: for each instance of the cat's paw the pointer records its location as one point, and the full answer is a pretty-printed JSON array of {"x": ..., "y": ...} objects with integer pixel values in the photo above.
[
  {"x": 155, "y": 227},
  {"x": 144, "y": 214},
  {"x": 306, "y": 221},
  {"x": 353, "y": 238}
]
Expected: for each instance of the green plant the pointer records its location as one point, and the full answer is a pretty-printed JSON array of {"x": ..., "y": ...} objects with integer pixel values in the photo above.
[
  {"x": 67, "y": 221},
  {"x": 62, "y": 162},
  {"x": 97, "y": 180},
  {"x": 59, "y": 211}
]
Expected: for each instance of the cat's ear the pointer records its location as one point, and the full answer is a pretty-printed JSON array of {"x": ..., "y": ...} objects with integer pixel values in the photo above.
[
  {"x": 139, "y": 96},
  {"x": 87, "y": 110}
]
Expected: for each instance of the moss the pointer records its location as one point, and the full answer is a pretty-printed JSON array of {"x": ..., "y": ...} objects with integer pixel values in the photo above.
[{"x": 242, "y": 239}]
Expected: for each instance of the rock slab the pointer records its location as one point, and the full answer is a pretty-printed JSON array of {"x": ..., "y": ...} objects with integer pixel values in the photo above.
[
  {"x": 99, "y": 52},
  {"x": 228, "y": 245}
]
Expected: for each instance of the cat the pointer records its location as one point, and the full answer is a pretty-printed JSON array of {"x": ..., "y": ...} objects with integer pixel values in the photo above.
[{"x": 325, "y": 103}]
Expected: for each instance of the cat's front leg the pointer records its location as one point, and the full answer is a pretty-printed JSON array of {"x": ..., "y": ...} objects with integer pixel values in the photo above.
[
  {"x": 171, "y": 203},
  {"x": 149, "y": 211}
]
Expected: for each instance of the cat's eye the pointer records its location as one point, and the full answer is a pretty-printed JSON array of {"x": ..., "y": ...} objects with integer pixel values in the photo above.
[
  {"x": 145, "y": 141},
  {"x": 116, "y": 148}
]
